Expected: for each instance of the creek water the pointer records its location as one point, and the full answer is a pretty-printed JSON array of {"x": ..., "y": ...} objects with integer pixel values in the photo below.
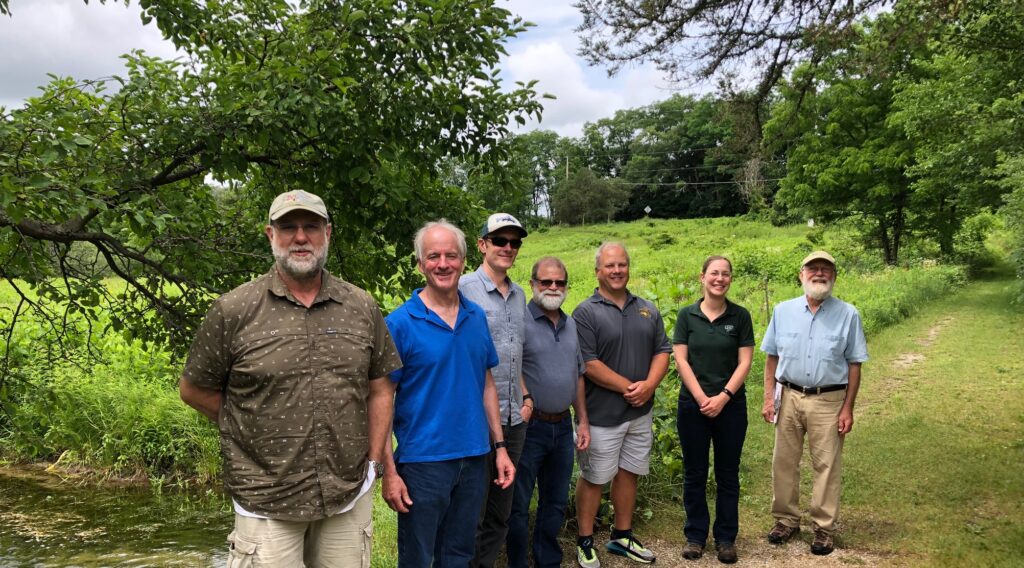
[{"x": 47, "y": 522}]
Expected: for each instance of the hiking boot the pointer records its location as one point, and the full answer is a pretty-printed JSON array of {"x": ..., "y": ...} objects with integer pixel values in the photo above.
[
  {"x": 586, "y": 556},
  {"x": 780, "y": 533},
  {"x": 631, "y": 548},
  {"x": 822, "y": 543},
  {"x": 726, "y": 552},
  {"x": 693, "y": 550}
]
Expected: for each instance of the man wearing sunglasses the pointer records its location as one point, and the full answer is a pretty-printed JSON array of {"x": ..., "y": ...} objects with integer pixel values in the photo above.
[
  {"x": 505, "y": 305},
  {"x": 553, "y": 370},
  {"x": 815, "y": 347}
]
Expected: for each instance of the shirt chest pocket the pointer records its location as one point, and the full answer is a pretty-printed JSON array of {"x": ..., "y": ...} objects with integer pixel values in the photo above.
[
  {"x": 499, "y": 325},
  {"x": 789, "y": 345},
  {"x": 260, "y": 356},
  {"x": 834, "y": 347},
  {"x": 345, "y": 353}
]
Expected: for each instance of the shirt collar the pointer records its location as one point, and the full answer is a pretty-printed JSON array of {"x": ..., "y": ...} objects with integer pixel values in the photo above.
[
  {"x": 826, "y": 302},
  {"x": 538, "y": 312},
  {"x": 329, "y": 288},
  {"x": 487, "y": 282},
  {"x": 694, "y": 308},
  {"x": 418, "y": 309},
  {"x": 598, "y": 298}
]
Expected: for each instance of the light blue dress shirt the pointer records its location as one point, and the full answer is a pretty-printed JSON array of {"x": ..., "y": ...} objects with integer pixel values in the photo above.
[
  {"x": 815, "y": 349},
  {"x": 506, "y": 320}
]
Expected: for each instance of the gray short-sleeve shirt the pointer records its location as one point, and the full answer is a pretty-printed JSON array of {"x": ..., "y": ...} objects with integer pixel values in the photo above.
[
  {"x": 625, "y": 340},
  {"x": 552, "y": 362}
]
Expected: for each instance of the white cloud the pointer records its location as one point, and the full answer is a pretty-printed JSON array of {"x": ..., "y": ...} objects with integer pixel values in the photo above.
[
  {"x": 583, "y": 94},
  {"x": 68, "y": 37}
]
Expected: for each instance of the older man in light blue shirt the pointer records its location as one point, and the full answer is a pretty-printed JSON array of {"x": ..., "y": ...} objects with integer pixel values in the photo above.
[
  {"x": 505, "y": 304},
  {"x": 815, "y": 346}
]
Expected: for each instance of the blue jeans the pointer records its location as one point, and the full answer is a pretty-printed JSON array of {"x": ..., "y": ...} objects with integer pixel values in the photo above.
[
  {"x": 696, "y": 434},
  {"x": 440, "y": 526},
  {"x": 547, "y": 459}
]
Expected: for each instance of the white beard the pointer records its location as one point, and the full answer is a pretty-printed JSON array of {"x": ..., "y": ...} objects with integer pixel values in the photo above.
[
  {"x": 818, "y": 292},
  {"x": 551, "y": 300},
  {"x": 300, "y": 269}
]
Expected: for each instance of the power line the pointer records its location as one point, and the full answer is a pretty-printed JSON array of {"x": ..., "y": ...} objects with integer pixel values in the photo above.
[{"x": 684, "y": 183}]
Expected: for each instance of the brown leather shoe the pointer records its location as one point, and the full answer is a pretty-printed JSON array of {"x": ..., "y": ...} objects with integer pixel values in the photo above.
[
  {"x": 780, "y": 533},
  {"x": 693, "y": 551},
  {"x": 823, "y": 543},
  {"x": 726, "y": 552}
]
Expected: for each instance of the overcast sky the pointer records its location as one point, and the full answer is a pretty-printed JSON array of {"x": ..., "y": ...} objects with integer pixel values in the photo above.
[{"x": 68, "y": 37}]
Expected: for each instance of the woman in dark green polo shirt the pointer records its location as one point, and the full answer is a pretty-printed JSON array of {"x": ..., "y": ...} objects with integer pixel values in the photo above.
[{"x": 713, "y": 346}]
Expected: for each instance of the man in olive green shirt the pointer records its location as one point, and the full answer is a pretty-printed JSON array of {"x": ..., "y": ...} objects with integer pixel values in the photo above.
[{"x": 290, "y": 366}]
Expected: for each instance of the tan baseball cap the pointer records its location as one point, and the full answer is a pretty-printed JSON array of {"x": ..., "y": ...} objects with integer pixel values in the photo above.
[
  {"x": 818, "y": 255},
  {"x": 294, "y": 200}
]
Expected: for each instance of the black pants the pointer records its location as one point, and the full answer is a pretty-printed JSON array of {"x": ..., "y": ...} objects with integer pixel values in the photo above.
[
  {"x": 493, "y": 525},
  {"x": 697, "y": 432}
]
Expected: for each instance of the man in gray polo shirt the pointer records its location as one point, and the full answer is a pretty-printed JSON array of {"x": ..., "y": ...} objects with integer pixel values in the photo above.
[
  {"x": 815, "y": 346},
  {"x": 623, "y": 341},
  {"x": 505, "y": 304},
  {"x": 553, "y": 369}
]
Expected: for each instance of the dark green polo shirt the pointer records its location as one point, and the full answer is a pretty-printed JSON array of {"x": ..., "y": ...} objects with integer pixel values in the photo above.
[{"x": 713, "y": 347}]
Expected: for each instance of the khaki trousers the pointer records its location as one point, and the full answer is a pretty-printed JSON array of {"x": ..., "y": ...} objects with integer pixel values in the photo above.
[
  {"x": 341, "y": 541},
  {"x": 817, "y": 417}
]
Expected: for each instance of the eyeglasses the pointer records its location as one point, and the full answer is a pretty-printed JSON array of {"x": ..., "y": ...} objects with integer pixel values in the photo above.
[
  {"x": 502, "y": 241},
  {"x": 547, "y": 283},
  {"x": 824, "y": 269},
  {"x": 290, "y": 229}
]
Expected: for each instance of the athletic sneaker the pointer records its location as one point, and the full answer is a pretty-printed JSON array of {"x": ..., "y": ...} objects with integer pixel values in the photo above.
[
  {"x": 587, "y": 556},
  {"x": 631, "y": 548}
]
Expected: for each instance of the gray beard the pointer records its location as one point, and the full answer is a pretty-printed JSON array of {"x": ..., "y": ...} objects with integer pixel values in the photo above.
[
  {"x": 551, "y": 302},
  {"x": 818, "y": 292},
  {"x": 299, "y": 269}
]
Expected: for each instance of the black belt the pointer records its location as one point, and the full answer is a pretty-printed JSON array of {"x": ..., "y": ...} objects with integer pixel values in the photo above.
[
  {"x": 548, "y": 417},
  {"x": 811, "y": 390}
]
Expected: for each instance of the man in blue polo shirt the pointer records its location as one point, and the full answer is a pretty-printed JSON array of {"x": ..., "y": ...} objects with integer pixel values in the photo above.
[
  {"x": 445, "y": 406},
  {"x": 815, "y": 346}
]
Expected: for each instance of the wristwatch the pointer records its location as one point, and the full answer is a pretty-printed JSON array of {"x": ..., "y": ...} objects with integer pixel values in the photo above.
[{"x": 378, "y": 469}]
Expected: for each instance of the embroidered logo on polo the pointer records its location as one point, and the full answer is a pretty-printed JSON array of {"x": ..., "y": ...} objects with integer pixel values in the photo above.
[
  {"x": 645, "y": 313},
  {"x": 728, "y": 327}
]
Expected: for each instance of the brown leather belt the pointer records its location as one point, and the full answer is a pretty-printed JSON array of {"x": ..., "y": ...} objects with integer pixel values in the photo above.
[
  {"x": 548, "y": 417},
  {"x": 811, "y": 390}
]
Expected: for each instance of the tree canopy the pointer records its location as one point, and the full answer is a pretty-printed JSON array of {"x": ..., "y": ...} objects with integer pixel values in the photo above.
[{"x": 162, "y": 176}]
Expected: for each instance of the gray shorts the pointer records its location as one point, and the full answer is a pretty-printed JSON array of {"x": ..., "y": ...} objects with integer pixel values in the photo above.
[{"x": 626, "y": 446}]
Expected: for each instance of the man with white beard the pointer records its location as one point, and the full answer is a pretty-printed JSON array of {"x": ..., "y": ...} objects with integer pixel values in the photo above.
[
  {"x": 815, "y": 346},
  {"x": 292, "y": 368},
  {"x": 553, "y": 370}
]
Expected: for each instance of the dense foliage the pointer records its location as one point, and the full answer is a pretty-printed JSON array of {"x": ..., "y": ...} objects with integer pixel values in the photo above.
[{"x": 358, "y": 101}]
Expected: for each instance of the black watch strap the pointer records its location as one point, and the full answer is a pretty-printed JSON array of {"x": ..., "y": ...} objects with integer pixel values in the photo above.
[{"x": 500, "y": 444}]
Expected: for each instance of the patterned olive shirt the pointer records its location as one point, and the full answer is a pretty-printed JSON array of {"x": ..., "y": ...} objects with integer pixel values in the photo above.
[{"x": 293, "y": 427}]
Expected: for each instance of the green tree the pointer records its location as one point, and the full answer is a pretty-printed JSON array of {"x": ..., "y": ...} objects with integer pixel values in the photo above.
[
  {"x": 164, "y": 181},
  {"x": 964, "y": 108},
  {"x": 846, "y": 159},
  {"x": 586, "y": 198}
]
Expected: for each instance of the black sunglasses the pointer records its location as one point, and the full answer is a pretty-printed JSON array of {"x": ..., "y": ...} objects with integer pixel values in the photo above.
[
  {"x": 502, "y": 241},
  {"x": 547, "y": 283}
]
